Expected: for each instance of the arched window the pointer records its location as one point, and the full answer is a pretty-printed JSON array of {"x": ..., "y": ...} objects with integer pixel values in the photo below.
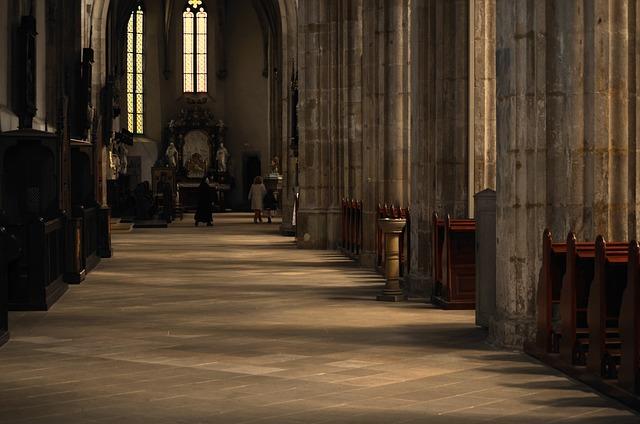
[
  {"x": 135, "y": 67},
  {"x": 194, "y": 24}
]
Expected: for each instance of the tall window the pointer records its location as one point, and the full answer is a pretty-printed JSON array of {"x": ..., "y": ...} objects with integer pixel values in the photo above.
[
  {"x": 135, "y": 76},
  {"x": 195, "y": 47}
]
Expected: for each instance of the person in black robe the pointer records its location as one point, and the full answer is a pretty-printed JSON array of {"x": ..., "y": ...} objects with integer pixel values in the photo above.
[
  {"x": 167, "y": 198},
  {"x": 270, "y": 204},
  {"x": 205, "y": 209}
]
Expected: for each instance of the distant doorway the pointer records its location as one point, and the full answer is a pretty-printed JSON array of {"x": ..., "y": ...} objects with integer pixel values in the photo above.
[{"x": 252, "y": 169}]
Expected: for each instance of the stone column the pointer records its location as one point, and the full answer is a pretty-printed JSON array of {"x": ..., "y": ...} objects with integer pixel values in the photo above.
[
  {"x": 440, "y": 104},
  {"x": 521, "y": 170},
  {"x": 330, "y": 119},
  {"x": 396, "y": 103},
  {"x": 385, "y": 111},
  {"x": 566, "y": 134}
]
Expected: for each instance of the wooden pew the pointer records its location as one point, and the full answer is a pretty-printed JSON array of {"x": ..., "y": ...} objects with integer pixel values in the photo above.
[
  {"x": 344, "y": 228},
  {"x": 351, "y": 227},
  {"x": 383, "y": 211},
  {"x": 573, "y": 300},
  {"x": 599, "y": 314},
  {"x": 356, "y": 227},
  {"x": 4, "y": 290},
  {"x": 405, "y": 242},
  {"x": 9, "y": 251},
  {"x": 554, "y": 263},
  {"x": 437, "y": 243},
  {"x": 458, "y": 265},
  {"x": 605, "y": 299},
  {"x": 629, "y": 371}
]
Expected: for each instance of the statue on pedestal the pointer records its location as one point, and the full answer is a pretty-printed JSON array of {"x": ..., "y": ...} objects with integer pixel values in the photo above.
[
  {"x": 222, "y": 158},
  {"x": 275, "y": 166},
  {"x": 172, "y": 155},
  {"x": 123, "y": 151}
]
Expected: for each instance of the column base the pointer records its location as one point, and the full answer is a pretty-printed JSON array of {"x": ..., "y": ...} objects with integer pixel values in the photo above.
[
  {"x": 391, "y": 296},
  {"x": 287, "y": 230}
]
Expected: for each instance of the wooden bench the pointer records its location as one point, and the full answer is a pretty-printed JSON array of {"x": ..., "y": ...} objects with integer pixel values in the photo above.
[
  {"x": 599, "y": 314},
  {"x": 629, "y": 371},
  {"x": 405, "y": 242},
  {"x": 457, "y": 288},
  {"x": 437, "y": 242},
  {"x": 382, "y": 211},
  {"x": 9, "y": 251},
  {"x": 605, "y": 299},
  {"x": 574, "y": 298},
  {"x": 344, "y": 228},
  {"x": 351, "y": 227},
  {"x": 554, "y": 261}
]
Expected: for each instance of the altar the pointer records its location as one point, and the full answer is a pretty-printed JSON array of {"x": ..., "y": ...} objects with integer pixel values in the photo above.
[
  {"x": 194, "y": 151},
  {"x": 188, "y": 195}
]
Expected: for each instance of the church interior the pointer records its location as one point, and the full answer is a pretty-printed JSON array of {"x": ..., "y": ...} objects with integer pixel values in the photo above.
[{"x": 417, "y": 211}]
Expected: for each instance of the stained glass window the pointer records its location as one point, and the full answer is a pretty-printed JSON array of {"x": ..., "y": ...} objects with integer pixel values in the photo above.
[
  {"x": 135, "y": 76},
  {"x": 195, "y": 47}
]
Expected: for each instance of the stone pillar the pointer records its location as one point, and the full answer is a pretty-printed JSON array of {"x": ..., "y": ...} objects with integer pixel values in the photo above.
[
  {"x": 385, "y": 111},
  {"x": 521, "y": 171},
  {"x": 314, "y": 29},
  {"x": 566, "y": 135},
  {"x": 484, "y": 98},
  {"x": 396, "y": 103},
  {"x": 440, "y": 105},
  {"x": 330, "y": 119}
]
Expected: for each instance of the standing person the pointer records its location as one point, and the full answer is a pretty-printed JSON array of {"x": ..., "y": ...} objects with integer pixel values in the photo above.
[
  {"x": 270, "y": 204},
  {"x": 256, "y": 196},
  {"x": 205, "y": 210},
  {"x": 167, "y": 198}
]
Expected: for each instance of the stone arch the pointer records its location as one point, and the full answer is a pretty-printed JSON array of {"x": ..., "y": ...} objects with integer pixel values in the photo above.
[{"x": 278, "y": 19}]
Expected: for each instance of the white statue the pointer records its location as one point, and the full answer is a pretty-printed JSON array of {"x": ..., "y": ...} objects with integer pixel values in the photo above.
[
  {"x": 222, "y": 157},
  {"x": 172, "y": 155},
  {"x": 114, "y": 165},
  {"x": 275, "y": 166},
  {"x": 123, "y": 151}
]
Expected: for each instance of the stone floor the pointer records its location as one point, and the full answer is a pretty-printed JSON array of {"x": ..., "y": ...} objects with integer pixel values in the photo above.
[{"x": 233, "y": 324}]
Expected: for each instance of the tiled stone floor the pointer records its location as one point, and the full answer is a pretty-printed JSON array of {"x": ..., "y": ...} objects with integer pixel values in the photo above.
[{"x": 232, "y": 324}]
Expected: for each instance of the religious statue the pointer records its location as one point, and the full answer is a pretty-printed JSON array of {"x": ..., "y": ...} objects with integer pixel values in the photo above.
[
  {"x": 114, "y": 165},
  {"x": 172, "y": 155},
  {"x": 196, "y": 166},
  {"x": 222, "y": 157},
  {"x": 123, "y": 151},
  {"x": 275, "y": 166},
  {"x": 114, "y": 160}
]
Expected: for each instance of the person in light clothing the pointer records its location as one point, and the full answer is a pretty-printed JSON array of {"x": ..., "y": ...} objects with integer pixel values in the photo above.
[{"x": 256, "y": 196}]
